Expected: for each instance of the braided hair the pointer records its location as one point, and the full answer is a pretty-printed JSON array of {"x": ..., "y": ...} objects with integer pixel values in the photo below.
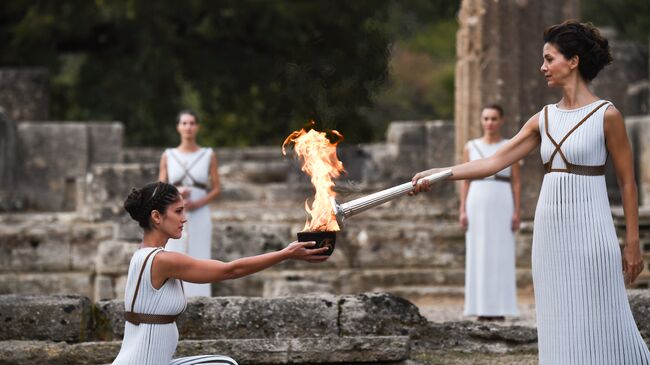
[
  {"x": 153, "y": 196},
  {"x": 573, "y": 38}
]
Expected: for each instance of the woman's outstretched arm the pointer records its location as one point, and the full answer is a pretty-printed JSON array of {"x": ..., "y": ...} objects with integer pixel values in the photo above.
[
  {"x": 517, "y": 148},
  {"x": 619, "y": 149},
  {"x": 180, "y": 266}
]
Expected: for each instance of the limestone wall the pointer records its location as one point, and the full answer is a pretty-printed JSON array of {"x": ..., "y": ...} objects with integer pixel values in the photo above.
[
  {"x": 54, "y": 155},
  {"x": 319, "y": 329},
  {"x": 323, "y": 329}
]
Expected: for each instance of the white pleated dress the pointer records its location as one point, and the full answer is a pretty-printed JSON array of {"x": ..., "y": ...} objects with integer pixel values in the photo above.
[
  {"x": 583, "y": 314},
  {"x": 490, "y": 282},
  {"x": 188, "y": 169},
  {"x": 155, "y": 344}
]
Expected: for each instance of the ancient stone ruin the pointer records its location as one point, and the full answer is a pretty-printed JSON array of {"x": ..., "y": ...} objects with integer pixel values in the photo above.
[{"x": 65, "y": 244}]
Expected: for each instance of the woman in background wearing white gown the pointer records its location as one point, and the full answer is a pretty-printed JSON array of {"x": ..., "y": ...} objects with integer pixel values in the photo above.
[
  {"x": 193, "y": 170},
  {"x": 489, "y": 213}
]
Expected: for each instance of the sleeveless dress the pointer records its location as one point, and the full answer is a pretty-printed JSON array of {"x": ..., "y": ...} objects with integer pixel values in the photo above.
[
  {"x": 192, "y": 171},
  {"x": 155, "y": 344},
  {"x": 490, "y": 282},
  {"x": 583, "y": 314}
]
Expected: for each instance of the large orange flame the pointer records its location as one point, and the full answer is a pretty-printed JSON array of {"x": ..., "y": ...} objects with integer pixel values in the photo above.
[{"x": 321, "y": 163}]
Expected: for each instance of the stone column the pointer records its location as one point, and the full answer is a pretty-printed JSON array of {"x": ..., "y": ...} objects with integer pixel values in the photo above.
[{"x": 499, "y": 53}]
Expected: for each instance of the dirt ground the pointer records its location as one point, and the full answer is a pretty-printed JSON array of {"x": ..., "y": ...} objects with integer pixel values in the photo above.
[{"x": 451, "y": 309}]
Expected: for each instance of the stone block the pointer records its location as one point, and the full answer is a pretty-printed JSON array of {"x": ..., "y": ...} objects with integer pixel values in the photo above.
[
  {"x": 378, "y": 314},
  {"x": 105, "y": 142},
  {"x": 53, "y": 318},
  {"x": 114, "y": 257},
  {"x": 103, "y": 288},
  {"x": 401, "y": 244},
  {"x": 8, "y": 160},
  {"x": 235, "y": 240},
  {"x": 639, "y": 134},
  {"x": 108, "y": 185},
  {"x": 238, "y": 317},
  {"x": 31, "y": 244},
  {"x": 440, "y": 143},
  {"x": 120, "y": 286},
  {"x": 47, "y": 283},
  {"x": 308, "y": 351},
  {"x": 640, "y": 306},
  {"x": 259, "y": 172},
  {"x": 24, "y": 93},
  {"x": 53, "y": 154},
  {"x": 35, "y": 248}
]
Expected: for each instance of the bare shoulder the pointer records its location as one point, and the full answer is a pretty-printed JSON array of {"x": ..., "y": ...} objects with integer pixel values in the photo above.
[
  {"x": 169, "y": 259},
  {"x": 613, "y": 115},
  {"x": 532, "y": 125},
  {"x": 163, "y": 156}
]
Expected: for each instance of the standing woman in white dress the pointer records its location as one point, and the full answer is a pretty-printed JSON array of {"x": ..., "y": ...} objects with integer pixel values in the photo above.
[
  {"x": 579, "y": 274},
  {"x": 154, "y": 298},
  {"x": 193, "y": 170},
  {"x": 489, "y": 214}
]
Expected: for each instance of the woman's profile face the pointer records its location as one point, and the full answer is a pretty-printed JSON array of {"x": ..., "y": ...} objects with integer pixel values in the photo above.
[
  {"x": 173, "y": 219},
  {"x": 491, "y": 120},
  {"x": 556, "y": 68},
  {"x": 187, "y": 126}
]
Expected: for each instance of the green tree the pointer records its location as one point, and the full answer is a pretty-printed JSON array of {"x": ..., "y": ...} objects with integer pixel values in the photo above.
[
  {"x": 254, "y": 70},
  {"x": 631, "y": 18}
]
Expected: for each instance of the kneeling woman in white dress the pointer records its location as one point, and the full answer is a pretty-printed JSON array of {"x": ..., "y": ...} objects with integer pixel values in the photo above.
[
  {"x": 489, "y": 212},
  {"x": 154, "y": 288},
  {"x": 193, "y": 170}
]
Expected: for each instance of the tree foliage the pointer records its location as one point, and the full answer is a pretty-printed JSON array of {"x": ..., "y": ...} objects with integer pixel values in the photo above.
[
  {"x": 631, "y": 18},
  {"x": 253, "y": 69}
]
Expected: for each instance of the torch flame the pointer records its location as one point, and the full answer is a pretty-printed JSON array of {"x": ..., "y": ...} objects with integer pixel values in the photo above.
[{"x": 321, "y": 163}]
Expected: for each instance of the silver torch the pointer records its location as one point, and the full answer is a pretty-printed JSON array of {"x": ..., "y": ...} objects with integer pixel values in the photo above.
[{"x": 356, "y": 206}]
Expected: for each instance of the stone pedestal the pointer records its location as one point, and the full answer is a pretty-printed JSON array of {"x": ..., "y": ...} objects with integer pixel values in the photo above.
[{"x": 499, "y": 52}]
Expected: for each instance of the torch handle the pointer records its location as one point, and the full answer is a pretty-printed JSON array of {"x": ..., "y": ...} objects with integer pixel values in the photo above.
[{"x": 369, "y": 201}]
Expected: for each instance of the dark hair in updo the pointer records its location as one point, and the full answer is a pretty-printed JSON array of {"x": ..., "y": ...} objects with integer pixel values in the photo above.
[
  {"x": 584, "y": 40},
  {"x": 494, "y": 106},
  {"x": 188, "y": 112},
  {"x": 153, "y": 196}
]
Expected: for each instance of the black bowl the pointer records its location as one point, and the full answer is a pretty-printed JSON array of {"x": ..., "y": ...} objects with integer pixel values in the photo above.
[{"x": 323, "y": 239}]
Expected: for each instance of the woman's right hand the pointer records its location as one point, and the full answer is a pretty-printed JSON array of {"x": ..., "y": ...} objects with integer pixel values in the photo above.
[
  {"x": 185, "y": 192},
  {"x": 302, "y": 251},
  {"x": 423, "y": 185},
  {"x": 462, "y": 219}
]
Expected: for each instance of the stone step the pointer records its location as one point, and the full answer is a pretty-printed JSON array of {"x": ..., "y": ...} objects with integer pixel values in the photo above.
[
  {"x": 321, "y": 350},
  {"x": 50, "y": 242},
  {"x": 292, "y": 282}
]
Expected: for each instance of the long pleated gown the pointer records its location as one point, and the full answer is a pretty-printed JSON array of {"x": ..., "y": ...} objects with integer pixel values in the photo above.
[
  {"x": 490, "y": 281},
  {"x": 583, "y": 314}
]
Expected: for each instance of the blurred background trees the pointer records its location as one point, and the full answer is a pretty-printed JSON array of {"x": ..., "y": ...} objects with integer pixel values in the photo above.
[{"x": 254, "y": 70}]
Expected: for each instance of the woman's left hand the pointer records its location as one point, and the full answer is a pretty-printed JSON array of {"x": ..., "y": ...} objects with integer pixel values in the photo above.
[
  {"x": 632, "y": 262},
  {"x": 192, "y": 205},
  {"x": 516, "y": 221}
]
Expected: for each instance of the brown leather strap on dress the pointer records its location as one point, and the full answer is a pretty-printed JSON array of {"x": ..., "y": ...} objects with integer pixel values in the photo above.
[
  {"x": 187, "y": 171},
  {"x": 496, "y": 176},
  {"x": 570, "y": 168},
  {"x": 137, "y": 318}
]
